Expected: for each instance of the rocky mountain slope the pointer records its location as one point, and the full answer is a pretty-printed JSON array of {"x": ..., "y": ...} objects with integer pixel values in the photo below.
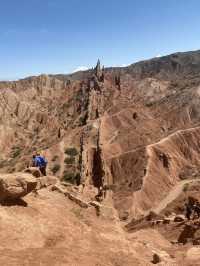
[
  {"x": 133, "y": 131},
  {"x": 54, "y": 231},
  {"x": 128, "y": 128}
]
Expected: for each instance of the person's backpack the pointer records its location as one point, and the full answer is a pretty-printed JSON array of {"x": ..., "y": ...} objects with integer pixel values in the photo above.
[{"x": 40, "y": 161}]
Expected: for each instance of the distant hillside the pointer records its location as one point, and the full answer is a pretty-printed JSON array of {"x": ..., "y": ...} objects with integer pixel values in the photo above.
[{"x": 121, "y": 123}]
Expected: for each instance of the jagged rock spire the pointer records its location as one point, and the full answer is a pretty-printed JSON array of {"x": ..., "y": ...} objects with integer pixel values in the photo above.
[
  {"x": 99, "y": 72},
  {"x": 98, "y": 66},
  {"x": 98, "y": 69}
]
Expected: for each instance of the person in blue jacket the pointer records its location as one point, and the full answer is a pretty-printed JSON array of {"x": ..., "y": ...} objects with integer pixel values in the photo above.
[{"x": 40, "y": 162}]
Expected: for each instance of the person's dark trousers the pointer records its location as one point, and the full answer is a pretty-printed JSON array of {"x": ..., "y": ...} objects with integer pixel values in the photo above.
[
  {"x": 43, "y": 170},
  {"x": 188, "y": 214}
]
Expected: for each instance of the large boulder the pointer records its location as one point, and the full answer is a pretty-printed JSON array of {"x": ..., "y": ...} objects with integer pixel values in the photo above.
[
  {"x": 179, "y": 218},
  {"x": 34, "y": 171},
  {"x": 156, "y": 258},
  {"x": 161, "y": 257},
  {"x": 17, "y": 185}
]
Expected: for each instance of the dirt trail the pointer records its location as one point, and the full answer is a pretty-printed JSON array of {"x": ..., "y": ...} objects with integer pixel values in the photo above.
[
  {"x": 172, "y": 195},
  {"x": 154, "y": 143}
]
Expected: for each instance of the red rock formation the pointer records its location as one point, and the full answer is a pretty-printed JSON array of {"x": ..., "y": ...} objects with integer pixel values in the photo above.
[
  {"x": 131, "y": 134},
  {"x": 132, "y": 115}
]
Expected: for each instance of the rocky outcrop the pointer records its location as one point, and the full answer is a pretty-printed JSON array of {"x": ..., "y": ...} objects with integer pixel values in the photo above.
[
  {"x": 135, "y": 129},
  {"x": 34, "y": 171},
  {"x": 187, "y": 234},
  {"x": 179, "y": 218},
  {"x": 179, "y": 150},
  {"x": 129, "y": 136},
  {"x": 15, "y": 186},
  {"x": 46, "y": 181},
  {"x": 99, "y": 72}
]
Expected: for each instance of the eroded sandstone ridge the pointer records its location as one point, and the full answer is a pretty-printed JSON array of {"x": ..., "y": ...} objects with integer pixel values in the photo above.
[
  {"x": 123, "y": 148},
  {"x": 133, "y": 130}
]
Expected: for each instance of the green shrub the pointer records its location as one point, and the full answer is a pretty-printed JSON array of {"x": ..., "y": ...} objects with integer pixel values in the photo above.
[
  {"x": 186, "y": 187},
  {"x": 79, "y": 96},
  {"x": 70, "y": 160},
  {"x": 66, "y": 105},
  {"x": 71, "y": 177},
  {"x": 82, "y": 120},
  {"x": 16, "y": 151},
  {"x": 71, "y": 151},
  {"x": 55, "y": 168}
]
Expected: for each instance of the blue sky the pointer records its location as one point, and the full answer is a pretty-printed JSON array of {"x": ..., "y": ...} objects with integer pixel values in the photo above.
[{"x": 59, "y": 36}]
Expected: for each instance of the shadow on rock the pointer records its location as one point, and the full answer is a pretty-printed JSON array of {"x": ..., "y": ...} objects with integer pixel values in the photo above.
[
  {"x": 187, "y": 234},
  {"x": 14, "y": 202}
]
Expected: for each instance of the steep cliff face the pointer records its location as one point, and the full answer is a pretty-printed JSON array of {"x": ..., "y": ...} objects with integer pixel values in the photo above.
[
  {"x": 117, "y": 128},
  {"x": 36, "y": 112},
  {"x": 170, "y": 160}
]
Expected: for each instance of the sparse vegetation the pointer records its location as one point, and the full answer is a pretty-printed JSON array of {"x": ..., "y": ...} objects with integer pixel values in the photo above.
[
  {"x": 185, "y": 188},
  {"x": 16, "y": 151},
  {"x": 79, "y": 96},
  {"x": 68, "y": 177},
  {"x": 70, "y": 160},
  {"x": 71, "y": 151},
  {"x": 71, "y": 177},
  {"x": 66, "y": 105},
  {"x": 55, "y": 168},
  {"x": 82, "y": 120}
]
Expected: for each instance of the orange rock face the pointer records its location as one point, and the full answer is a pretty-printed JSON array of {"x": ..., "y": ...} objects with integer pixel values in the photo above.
[
  {"x": 132, "y": 133},
  {"x": 15, "y": 186},
  {"x": 134, "y": 129}
]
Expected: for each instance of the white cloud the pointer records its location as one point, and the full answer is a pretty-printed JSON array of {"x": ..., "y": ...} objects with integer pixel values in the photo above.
[
  {"x": 80, "y": 68},
  {"x": 158, "y": 55},
  {"x": 122, "y": 65}
]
